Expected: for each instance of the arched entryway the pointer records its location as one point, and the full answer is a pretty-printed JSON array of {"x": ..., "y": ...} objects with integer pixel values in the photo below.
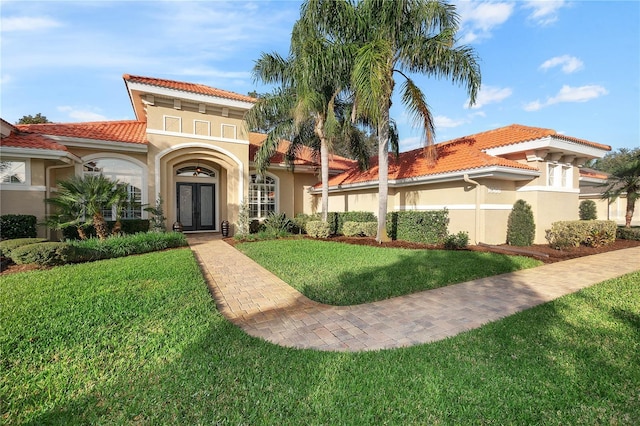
[{"x": 197, "y": 197}]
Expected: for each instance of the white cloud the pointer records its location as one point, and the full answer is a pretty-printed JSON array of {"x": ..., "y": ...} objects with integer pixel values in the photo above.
[
  {"x": 490, "y": 95},
  {"x": 569, "y": 94},
  {"x": 26, "y": 23},
  {"x": 568, "y": 64},
  {"x": 544, "y": 12},
  {"x": 445, "y": 122},
  {"x": 478, "y": 19},
  {"x": 407, "y": 144},
  {"x": 81, "y": 114}
]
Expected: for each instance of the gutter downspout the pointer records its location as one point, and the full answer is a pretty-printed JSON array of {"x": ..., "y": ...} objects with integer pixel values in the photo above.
[{"x": 477, "y": 215}]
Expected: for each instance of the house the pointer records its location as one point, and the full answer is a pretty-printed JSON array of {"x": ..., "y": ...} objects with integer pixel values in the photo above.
[
  {"x": 190, "y": 146},
  {"x": 591, "y": 188}
]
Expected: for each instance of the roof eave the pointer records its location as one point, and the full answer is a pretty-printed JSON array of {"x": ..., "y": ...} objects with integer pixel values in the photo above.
[
  {"x": 100, "y": 144},
  {"x": 46, "y": 154},
  {"x": 498, "y": 172},
  {"x": 551, "y": 143}
]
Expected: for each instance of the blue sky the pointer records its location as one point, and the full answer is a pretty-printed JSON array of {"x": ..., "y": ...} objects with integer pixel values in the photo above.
[{"x": 573, "y": 66}]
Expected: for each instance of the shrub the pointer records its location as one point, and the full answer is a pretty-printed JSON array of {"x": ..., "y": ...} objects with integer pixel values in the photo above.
[
  {"x": 17, "y": 226},
  {"x": 573, "y": 233},
  {"x": 129, "y": 227},
  {"x": 157, "y": 219},
  {"x": 318, "y": 229},
  {"x": 119, "y": 246},
  {"x": 359, "y": 229},
  {"x": 44, "y": 254},
  {"x": 521, "y": 229},
  {"x": 277, "y": 223},
  {"x": 588, "y": 210},
  {"x": 457, "y": 241},
  {"x": 244, "y": 222},
  {"x": 7, "y": 246},
  {"x": 628, "y": 233},
  {"x": 255, "y": 226},
  {"x": 339, "y": 219},
  {"x": 429, "y": 227},
  {"x": 300, "y": 222}
]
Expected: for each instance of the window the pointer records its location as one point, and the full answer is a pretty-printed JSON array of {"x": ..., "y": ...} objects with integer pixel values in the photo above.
[
  {"x": 196, "y": 171},
  {"x": 124, "y": 172},
  {"x": 263, "y": 193},
  {"x": 13, "y": 171},
  {"x": 559, "y": 176}
]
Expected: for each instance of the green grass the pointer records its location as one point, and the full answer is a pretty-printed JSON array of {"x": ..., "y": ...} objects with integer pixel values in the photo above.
[
  {"x": 343, "y": 274},
  {"x": 138, "y": 341}
]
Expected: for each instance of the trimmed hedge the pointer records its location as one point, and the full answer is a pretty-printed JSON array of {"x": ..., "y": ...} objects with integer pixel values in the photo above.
[
  {"x": 336, "y": 220},
  {"x": 573, "y": 233},
  {"x": 129, "y": 227},
  {"x": 360, "y": 229},
  {"x": 318, "y": 229},
  {"x": 44, "y": 254},
  {"x": 628, "y": 233},
  {"x": 429, "y": 227},
  {"x": 59, "y": 253},
  {"x": 17, "y": 226},
  {"x": 7, "y": 246}
]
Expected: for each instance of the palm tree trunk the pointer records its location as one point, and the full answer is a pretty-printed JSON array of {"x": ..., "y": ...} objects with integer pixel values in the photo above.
[
  {"x": 324, "y": 166},
  {"x": 101, "y": 226},
  {"x": 383, "y": 175},
  {"x": 630, "y": 210}
]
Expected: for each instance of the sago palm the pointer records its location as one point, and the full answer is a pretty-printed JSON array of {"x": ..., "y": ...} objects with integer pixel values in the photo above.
[{"x": 82, "y": 199}]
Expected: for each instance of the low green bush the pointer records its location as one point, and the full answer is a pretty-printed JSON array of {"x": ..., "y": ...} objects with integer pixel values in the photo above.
[
  {"x": 277, "y": 223},
  {"x": 429, "y": 227},
  {"x": 628, "y": 233},
  {"x": 574, "y": 233},
  {"x": 521, "y": 228},
  {"x": 129, "y": 227},
  {"x": 337, "y": 220},
  {"x": 119, "y": 246},
  {"x": 359, "y": 229},
  {"x": 17, "y": 226},
  {"x": 457, "y": 241},
  {"x": 7, "y": 246},
  {"x": 588, "y": 210},
  {"x": 44, "y": 254},
  {"x": 300, "y": 222},
  {"x": 318, "y": 229}
]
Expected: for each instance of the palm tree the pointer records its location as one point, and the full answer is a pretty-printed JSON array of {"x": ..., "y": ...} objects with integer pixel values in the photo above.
[
  {"x": 82, "y": 200},
  {"x": 396, "y": 38},
  {"x": 304, "y": 108},
  {"x": 625, "y": 180}
]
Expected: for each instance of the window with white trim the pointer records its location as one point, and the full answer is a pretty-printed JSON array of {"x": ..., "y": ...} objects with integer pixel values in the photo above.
[
  {"x": 124, "y": 172},
  {"x": 13, "y": 172},
  {"x": 559, "y": 175},
  {"x": 263, "y": 196}
]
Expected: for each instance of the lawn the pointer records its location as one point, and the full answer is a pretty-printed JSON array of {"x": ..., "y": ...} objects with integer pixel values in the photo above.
[
  {"x": 343, "y": 274},
  {"x": 138, "y": 340}
]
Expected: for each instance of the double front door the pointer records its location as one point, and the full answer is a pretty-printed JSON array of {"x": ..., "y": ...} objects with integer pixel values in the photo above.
[{"x": 196, "y": 206}]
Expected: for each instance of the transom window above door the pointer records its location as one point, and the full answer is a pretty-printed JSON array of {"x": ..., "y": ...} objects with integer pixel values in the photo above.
[{"x": 196, "y": 171}]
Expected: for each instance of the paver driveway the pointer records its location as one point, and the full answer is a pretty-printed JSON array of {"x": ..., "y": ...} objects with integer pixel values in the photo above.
[{"x": 264, "y": 306}]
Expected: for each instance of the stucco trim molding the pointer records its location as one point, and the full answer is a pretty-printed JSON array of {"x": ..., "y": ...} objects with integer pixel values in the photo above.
[
  {"x": 18, "y": 187},
  {"x": 538, "y": 188},
  {"x": 198, "y": 137},
  {"x": 420, "y": 207}
]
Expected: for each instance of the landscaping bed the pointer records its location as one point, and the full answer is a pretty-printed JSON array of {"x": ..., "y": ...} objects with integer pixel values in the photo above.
[{"x": 542, "y": 252}]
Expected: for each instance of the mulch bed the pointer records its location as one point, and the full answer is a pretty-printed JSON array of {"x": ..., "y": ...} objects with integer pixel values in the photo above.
[{"x": 542, "y": 252}]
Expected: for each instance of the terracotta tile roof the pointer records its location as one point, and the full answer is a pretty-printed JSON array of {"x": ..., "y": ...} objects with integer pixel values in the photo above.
[
  {"x": 188, "y": 87},
  {"x": 452, "y": 157},
  {"x": 306, "y": 155},
  {"x": 591, "y": 173},
  {"x": 31, "y": 141},
  {"x": 517, "y": 133},
  {"x": 129, "y": 131}
]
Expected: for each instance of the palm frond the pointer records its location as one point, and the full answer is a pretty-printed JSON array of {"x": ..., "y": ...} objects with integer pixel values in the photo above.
[{"x": 414, "y": 100}]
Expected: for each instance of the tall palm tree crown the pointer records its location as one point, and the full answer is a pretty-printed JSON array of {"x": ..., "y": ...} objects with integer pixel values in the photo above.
[
  {"x": 396, "y": 38},
  {"x": 625, "y": 180}
]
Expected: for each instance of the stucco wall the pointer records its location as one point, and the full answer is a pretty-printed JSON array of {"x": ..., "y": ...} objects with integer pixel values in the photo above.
[{"x": 25, "y": 202}]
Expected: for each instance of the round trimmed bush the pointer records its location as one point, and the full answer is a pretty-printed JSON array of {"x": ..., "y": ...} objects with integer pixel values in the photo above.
[{"x": 588, "y": 210}]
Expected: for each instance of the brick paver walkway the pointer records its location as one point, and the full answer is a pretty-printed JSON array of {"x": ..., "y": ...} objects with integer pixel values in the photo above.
[{"x": 264, "y": 306}]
